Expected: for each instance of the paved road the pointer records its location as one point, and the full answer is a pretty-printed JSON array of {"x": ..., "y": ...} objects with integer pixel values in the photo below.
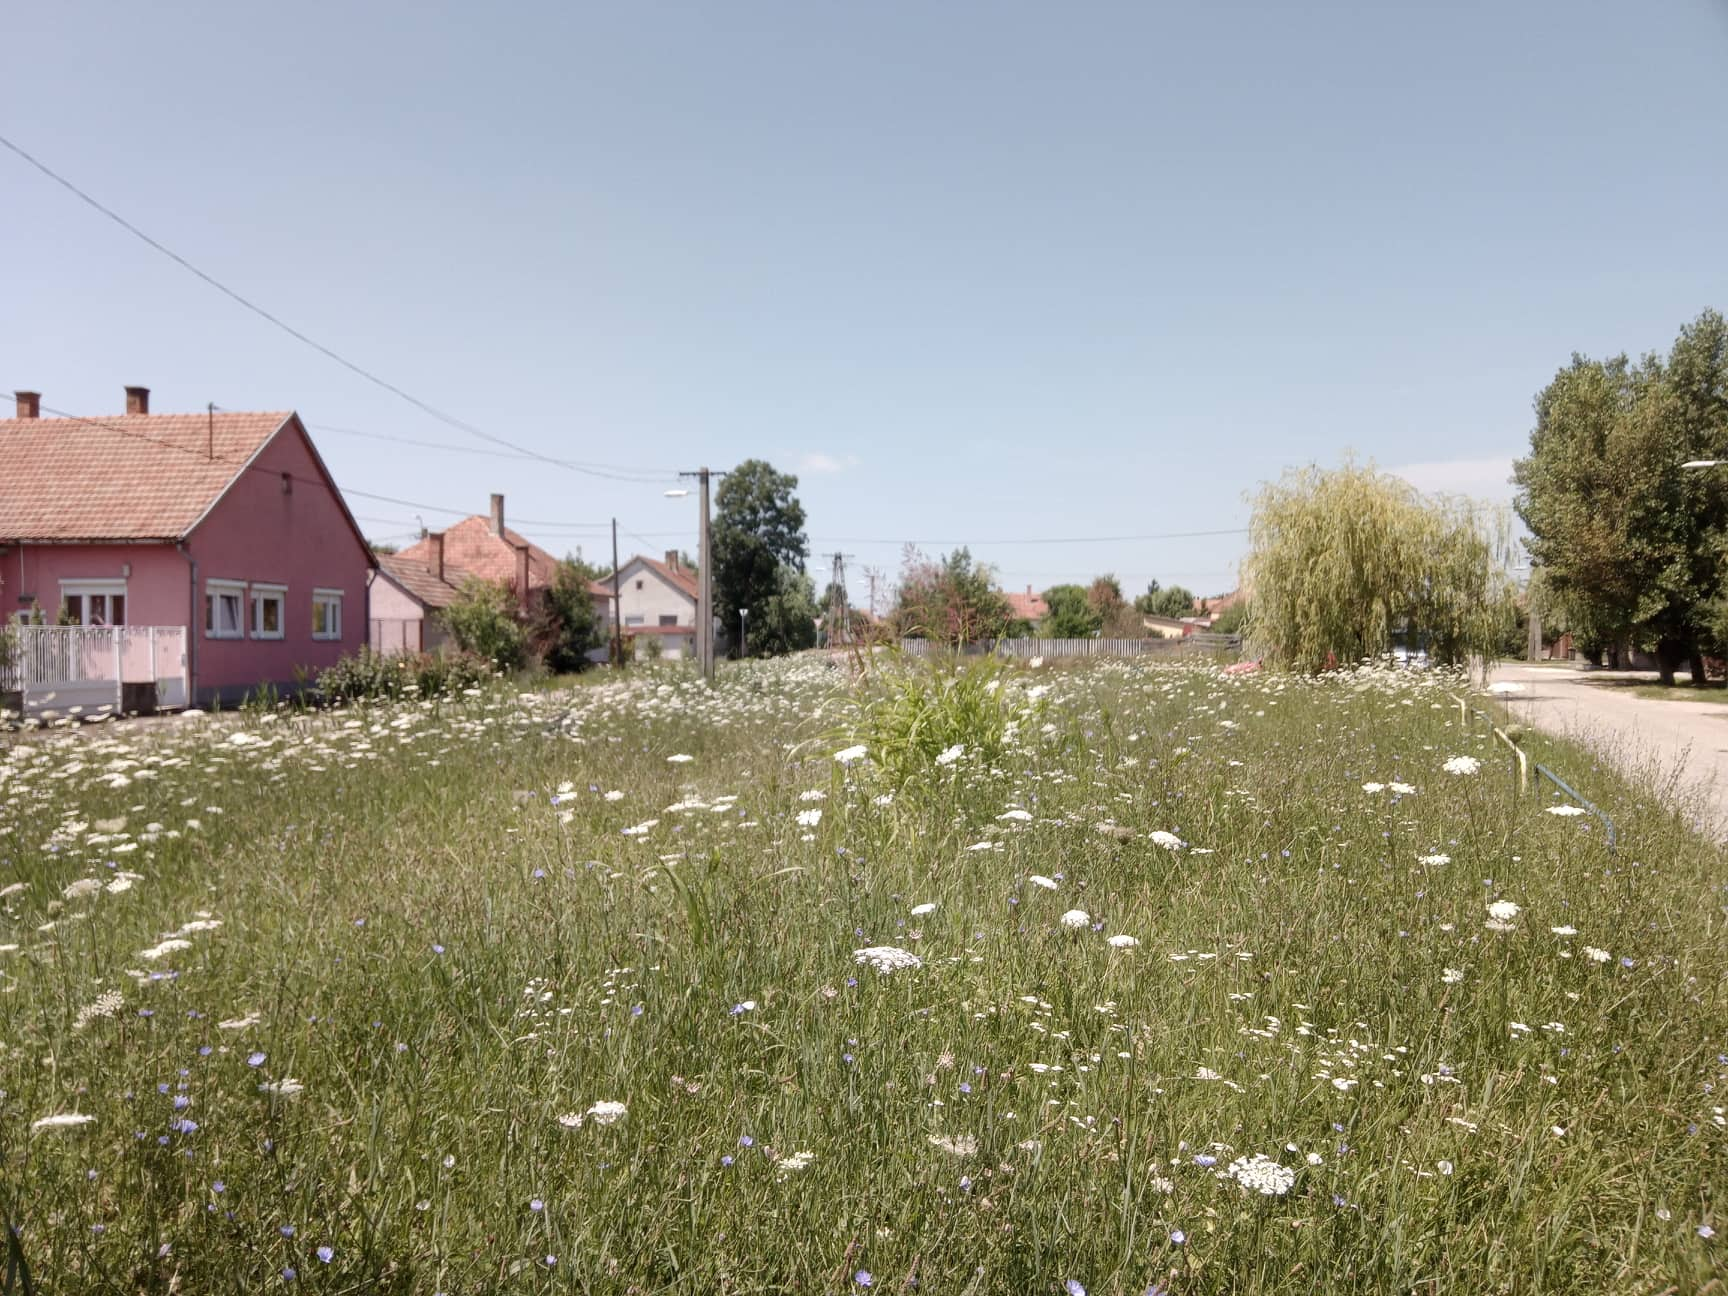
[{"x": 1650, "y": 738}]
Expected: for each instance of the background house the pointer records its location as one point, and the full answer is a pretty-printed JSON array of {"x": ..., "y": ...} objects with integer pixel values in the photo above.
[
  {"x": 657, "y": 603},
  {"x": 1028, "y": 607},
  {"x": 225, "y": 524},
  {"x": 412, "y": 588}
]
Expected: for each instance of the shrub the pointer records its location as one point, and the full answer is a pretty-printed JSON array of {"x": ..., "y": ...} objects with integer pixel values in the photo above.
[
  {"x": 370, "y": 676},
  {"x": 938, "y": 705},
  {"x": 483, "y": 621}
]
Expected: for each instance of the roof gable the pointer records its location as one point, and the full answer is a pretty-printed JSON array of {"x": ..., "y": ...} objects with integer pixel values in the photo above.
[
  {"x": 471, "y": 549},
  {"x": 136, "y": 477},
  {"x": 677, "y": 578}
]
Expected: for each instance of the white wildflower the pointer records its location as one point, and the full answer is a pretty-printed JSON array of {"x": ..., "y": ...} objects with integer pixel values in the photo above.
[
  {"x": 1565, "y": 929},
  {"x": 919, "y": 910},
  {"x": 1596, "y": 955},
  {"x": 1434, "y": 861},
  {"x": 1038, "y": 879},
  {"x": 1461, "y": 765},
  {"x": 66, "y": 1120},
  {"x": 957, "y": 1144},
  {"x": 1504, "y": 910},
  {"x": 679, "y": 759},
  {"x": 886, "y": 958},
  {"x": 809, "y": 818},
  {"x": 1372, "y": 788},
  {"x": 1076, "y": 920},
  {"x": 1168, "y": 840},
  {"x": 1123, "y": 942},
  {"x": 952, "y": 754},
  {"x": 167, "y": 947},
  {"x": 1259, "y": 1173},
  {"x": 106, "y": 1004},
  {"x": 607, "y": 1112},
  {"x": 1566, "y": 811},
  {"x": 82, "y": 887},
  {"x": 1452, "y": 976},
  {"x": 850, "y": 755},
  {"x": 1401, "y": 789},
  {"x": 793, "y": 1164},
  {"x": 286, "y": 1087}
]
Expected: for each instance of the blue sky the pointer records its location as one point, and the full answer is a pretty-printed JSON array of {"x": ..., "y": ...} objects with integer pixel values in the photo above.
[{"x": 976, "y": 272}]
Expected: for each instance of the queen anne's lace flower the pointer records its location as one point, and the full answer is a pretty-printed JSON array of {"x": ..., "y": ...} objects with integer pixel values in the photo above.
[
  {"x": 66, "y": 1120},
  {"x": 1461, "y": 765},
  {"x": 1076, "y": 920},
  {"x": 1259, "y": 1173},
  {"x": 886, "y": 958},
  {"x": 1168, "y": 840}
]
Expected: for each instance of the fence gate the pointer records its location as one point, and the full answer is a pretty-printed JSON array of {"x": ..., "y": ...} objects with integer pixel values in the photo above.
[{"x": 63, "y": 671}]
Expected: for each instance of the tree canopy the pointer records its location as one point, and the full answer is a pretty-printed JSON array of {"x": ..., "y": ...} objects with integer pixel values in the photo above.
[
  {"x": 1341, "y": 559},
  {"x": 1166, "y": 601},
  {"x": 951, "y": 600},
  {"x": 1070, "y": 615},
  {"x": 1627, "y": 543},
  {"x": 566, "y": 624},
  {"x": 785, "y": 621},
  {"x": 758, "y": 529}
]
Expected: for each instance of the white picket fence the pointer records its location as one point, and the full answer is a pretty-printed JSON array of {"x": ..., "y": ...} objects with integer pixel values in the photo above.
[
  {"x": 83, "y": 670},
  {"x": 1189, "y": 645}
]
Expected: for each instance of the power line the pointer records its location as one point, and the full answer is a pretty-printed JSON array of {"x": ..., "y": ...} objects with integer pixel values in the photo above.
[
  {"x": 649, "y": 474},
  {"x": 1044, "y": 540},
  {"x": 432, "y": 410}
]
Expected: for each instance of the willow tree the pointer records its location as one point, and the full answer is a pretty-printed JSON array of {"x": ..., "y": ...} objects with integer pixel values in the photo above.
[{"x": 1342, "y": 559}]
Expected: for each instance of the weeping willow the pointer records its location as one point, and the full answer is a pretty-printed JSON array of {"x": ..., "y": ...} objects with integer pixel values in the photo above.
[{"x": 1341, "y": 560}]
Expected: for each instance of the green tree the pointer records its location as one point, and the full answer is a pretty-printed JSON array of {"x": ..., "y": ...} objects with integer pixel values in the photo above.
[
  {"x": 1628, "y": 543},
  {"x": 784, "y": 621},
  {"x": 483, "y": 620},
  {"x": 951, "y": 600},
  {"x": 1070, "y": 616},
  {"x": 1166, "y": 601},
  {"x": 1232, "y": 618},
  {"x": 1341, "y": 559},
  {"x": 758, "y": 530},
  {"x": 567, "y": 625}
]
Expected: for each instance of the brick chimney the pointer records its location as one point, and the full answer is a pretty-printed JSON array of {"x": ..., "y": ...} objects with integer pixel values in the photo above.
[
  {"x": 498, "y": 515},
  {"x": 521, "y": 569},
  {"x": 437, "y": 539},
  {"x": 29, "y": 404},
  {"x": 137, "y": 400},
  {"x": 672, "y": 559}
]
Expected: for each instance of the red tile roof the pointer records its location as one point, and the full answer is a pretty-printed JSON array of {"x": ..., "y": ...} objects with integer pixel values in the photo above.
[
  {"x": 125, "y": 477},
  {"x": 419, "y": 580},
  {"x": 1028, "y": 606},
  {"x": 471, "y": 549}
]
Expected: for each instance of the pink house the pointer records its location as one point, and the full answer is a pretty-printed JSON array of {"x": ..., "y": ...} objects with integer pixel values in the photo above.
[{"x": 226, "y": 524}]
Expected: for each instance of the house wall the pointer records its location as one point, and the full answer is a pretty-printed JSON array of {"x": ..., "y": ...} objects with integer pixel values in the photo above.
[
  {"x": 298, "y": 537},
  {"x": 157, "y": 590},
  {"x": 657, "y": 597}
]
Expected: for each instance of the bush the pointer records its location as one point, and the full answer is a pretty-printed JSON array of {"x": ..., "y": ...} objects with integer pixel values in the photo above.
[
  {"x": 939, "y": 705},
  {"x": 370, "y": 676},
  {"x": 483, "y": 621}
]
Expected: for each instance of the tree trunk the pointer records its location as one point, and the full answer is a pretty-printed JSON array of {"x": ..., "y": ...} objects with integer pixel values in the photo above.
[
  {"x": 1696, "y": 660},
  {"x": 1668, "y": 657}
]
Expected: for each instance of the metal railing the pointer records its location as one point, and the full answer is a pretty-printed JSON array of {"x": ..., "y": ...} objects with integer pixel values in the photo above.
[{"x": 1525, "y": 765}]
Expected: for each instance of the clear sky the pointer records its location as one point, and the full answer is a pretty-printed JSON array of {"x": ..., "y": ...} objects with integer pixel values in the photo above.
[{"x": 976, "y": 272}]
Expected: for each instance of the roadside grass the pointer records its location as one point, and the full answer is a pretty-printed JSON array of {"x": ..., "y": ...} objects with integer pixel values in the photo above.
[{"x": 381, "y": 973}]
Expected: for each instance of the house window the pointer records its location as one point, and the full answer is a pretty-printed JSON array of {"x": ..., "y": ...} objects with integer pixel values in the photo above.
[
  {"x": 222, "y": 602},
  {"x": 267, "y": 608},
  {"x": 666, "y": 620},
  {"x": 94, "y": 603},
  {"x": 634, "y": 619},
  {"x": 326, "y": 614},
  {"x": 638, "y": 584}
]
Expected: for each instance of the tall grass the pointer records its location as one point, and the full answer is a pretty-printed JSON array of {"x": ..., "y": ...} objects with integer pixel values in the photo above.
[{"x": 454, "y": 923}]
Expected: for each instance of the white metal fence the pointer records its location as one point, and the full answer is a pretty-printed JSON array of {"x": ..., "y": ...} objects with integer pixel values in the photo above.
[
  {"x": 1188, "y": 645},
  {"x": 86, "y": 669}
]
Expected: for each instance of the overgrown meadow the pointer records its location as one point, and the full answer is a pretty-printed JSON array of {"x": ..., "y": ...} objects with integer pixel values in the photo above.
[{"x": 1113, "y": 979}]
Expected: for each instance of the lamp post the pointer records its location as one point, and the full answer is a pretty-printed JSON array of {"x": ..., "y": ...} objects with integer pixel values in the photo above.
[{"x": 743, "y": 632}]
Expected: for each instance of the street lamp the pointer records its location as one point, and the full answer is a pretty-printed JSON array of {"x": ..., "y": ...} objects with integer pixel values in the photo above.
[
  {"x": 743, "y": 632},
  {"x": 704, "y": 582}
]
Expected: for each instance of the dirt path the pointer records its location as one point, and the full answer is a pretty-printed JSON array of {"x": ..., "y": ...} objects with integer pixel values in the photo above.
[{"x": 1646, "y": 737}]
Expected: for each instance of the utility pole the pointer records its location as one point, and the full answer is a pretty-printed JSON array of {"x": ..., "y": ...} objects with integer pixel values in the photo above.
[
  {"x": 838, "y": 630},
  {"x": 617, "y": 615},
  {"x": 705, "y": 582}
]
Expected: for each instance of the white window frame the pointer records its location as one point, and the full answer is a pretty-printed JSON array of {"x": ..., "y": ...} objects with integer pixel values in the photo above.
[
  {"x": 634, "y": 619},
  {"x": 263, "y": 591},
  {"x": 331, "y": 599},
  {"x": 82, "y": 589},
  {"x": 215, "y": 590}
]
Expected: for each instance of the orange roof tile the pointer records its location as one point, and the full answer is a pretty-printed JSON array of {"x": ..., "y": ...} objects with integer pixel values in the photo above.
[
  {"x": 419, "y": 580},
  {"x": 126, "y": 477},
  {"x": 471, "y": 549}
]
